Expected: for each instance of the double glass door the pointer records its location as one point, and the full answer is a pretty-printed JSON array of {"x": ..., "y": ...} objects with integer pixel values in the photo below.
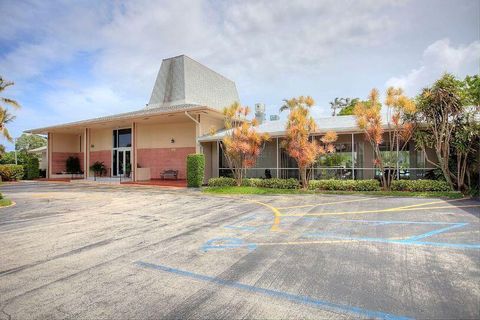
[
  {"x": 122, "y": 162},
  {"x": 122, "y": 150}
]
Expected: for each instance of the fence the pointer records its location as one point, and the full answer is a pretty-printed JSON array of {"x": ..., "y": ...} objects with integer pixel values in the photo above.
[{"x": 319, "y": 173}]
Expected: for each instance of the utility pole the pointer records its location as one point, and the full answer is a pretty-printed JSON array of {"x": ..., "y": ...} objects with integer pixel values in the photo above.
[{"x": 15, "y": 140}]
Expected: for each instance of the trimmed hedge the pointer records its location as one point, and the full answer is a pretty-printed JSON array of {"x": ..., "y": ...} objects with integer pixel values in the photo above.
[
  {"x": 420, "y": 185},
  {"x": 345, "y": 185},
  {"x": 221, "y": 182},
  {"x": 32, "y": 168},
  {"x": 273, "y": 183},
  {"x": 336, "y": 185},
  {"x": 11, "y": 172},
  {"x": 195, "y": 170}
]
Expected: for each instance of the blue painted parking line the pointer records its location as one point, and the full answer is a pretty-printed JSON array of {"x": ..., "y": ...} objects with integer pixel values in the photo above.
[
  {"x": 239, "y": 224},
  {"x": 221, "y": 244},
  {"x": 402, "y": 242},
  {"x": 387, "y": 221},
  {"x": 321, "y": 304},
  {"x": 435, "y": 232}
]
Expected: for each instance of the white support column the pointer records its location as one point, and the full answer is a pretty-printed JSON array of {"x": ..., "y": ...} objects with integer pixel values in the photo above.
[
  {"x": 49, "y": 155},
  {"x": 278, "y": 170},
  {"x": 353, "y": 156},
  {"x": 85, "y": 154},
  {"x": 133, "y": 155},
  {"x": 218, "y": 159}
]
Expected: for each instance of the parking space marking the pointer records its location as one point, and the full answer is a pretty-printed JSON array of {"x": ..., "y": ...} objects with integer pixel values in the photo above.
[
  {"x": 435, "y": 232},
  {"x": 324, "y": 204},
  {"x": 306, "y": 300},
  {"x": 399, "y": 209},
  {"x": 400, "y": 242},
  {"x": 429, "y": 203},
  {"x": 276, "y": 214}
]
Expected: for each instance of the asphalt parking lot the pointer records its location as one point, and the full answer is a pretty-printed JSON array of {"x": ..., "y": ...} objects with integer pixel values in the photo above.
[{"x": 84, "y": 251}]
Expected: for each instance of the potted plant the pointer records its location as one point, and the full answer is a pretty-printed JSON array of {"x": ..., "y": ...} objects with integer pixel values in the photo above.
[
  {"x": 73, "y": 165},
  {"x": 98, "y": 168},
  {"x": 128, "y": 169}
]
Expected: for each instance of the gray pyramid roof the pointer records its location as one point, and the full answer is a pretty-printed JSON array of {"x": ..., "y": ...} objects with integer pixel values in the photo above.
[{"x": 184, "y": 81}]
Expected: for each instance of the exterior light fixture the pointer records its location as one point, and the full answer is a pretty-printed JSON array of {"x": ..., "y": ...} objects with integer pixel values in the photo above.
[{"x": 172, "y": 141}]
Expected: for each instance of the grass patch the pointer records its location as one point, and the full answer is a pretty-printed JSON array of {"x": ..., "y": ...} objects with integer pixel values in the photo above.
[
  {"x": 257, "y": 190},
  {"x": 5, "y": 202}
]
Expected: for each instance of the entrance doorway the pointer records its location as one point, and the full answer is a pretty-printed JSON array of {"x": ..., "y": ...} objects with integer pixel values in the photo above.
[
  {"x": 122, "y": 162},
  {"x": 121, "y": 153}
]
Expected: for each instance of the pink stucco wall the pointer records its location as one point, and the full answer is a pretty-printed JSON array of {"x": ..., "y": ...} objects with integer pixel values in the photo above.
[
  {"x": 161, "y": 159},
  {"x": 59, "y": 160}
]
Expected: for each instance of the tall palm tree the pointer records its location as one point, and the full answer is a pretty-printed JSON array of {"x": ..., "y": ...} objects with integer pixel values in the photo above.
[
  {"x": 336, "y": 104},
  {"x": 285, "y": 106},
  {"x": 5, "y": 116}
]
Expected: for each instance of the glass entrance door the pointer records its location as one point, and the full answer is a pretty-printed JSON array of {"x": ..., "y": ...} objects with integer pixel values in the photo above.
[
  {"x": 121, "y": 155},
  {"x": 121, "y": 162}
]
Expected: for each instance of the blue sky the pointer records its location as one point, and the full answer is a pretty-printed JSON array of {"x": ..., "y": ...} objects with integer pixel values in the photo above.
[{"x": 73, "y": 60}]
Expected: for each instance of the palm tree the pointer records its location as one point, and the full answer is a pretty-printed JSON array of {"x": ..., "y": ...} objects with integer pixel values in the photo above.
[
  {"x": 336, "y": 104},
  {"x": 5, "y": 115},
  {"x": 5, "y": 118},
  {"x": 285, "y": 106}
]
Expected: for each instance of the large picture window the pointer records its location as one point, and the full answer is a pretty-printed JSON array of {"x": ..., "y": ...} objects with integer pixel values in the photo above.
[{"x": 122, "y": 138}]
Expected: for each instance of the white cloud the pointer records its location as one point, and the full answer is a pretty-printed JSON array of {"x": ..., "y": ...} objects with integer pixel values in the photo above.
[
  {"x": 438, "y": 58},
  {"x": 241, "y": 38},
  {"x": 268, "y": 47}
]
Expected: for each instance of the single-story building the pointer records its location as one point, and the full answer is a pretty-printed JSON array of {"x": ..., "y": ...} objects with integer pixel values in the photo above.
[
  {"x": 41, "y": 153},
  {"x": 185, "y": 105}
]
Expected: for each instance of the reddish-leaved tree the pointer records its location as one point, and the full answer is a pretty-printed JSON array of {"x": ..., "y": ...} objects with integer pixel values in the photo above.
[
  {"x": 242, "y": 143},
  {"x": 400, "y": 110},
  {"x": 298, "y": 143}
]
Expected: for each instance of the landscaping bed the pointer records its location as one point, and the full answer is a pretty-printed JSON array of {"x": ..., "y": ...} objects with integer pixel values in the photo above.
[{"x": 408, "y": 188}]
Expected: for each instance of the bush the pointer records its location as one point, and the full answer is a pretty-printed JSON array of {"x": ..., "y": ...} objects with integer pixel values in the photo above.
[
  {"x": 98, "y": 168},
  {"x": 273, "y": 183},
  {"x": 221, "y": 182},
  {"x": 11, "y": 172},
  {"x": 195, "y": 170},
  {"x": 32, "y": 170},
  {"x": 345, "y": 185},
  {"x": 420, "y": 185},
  {"x": 73, "y": 165}
]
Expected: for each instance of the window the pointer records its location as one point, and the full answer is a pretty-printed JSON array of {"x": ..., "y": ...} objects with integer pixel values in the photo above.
[{"x": 122, "y": 138}]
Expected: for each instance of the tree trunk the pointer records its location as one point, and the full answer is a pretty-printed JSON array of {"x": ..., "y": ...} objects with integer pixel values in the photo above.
[
  {"x": 303, "y": 178},
  {"x": 445, "y": 170}
]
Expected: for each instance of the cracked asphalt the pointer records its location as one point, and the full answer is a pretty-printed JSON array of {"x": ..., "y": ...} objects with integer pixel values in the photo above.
[{"x": 71, "y": 250}]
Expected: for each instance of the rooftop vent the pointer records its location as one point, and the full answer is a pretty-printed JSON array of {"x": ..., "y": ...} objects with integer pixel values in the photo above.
[{"x": 260, "y": 112}]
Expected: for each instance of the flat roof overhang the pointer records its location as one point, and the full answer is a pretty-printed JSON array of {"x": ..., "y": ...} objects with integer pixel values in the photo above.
[
  {"x": 279, "y": 134},
  {"x": 155, "y": 115}
]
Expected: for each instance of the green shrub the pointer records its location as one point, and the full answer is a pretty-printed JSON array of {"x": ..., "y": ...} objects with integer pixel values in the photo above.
[
  {"x": 221, "y": 182},
  {"x": 98, "y": 168},
  {"x": 11, "y": 172},
  {"x": 420, "y": 185},
  {"x": 195, "y": 170},
  {"x": 32, "y": 168},
  {"x": 345, "y": 185},
  {"x": 273, "y": 183},
  {"x": 73, "y": 165}
]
